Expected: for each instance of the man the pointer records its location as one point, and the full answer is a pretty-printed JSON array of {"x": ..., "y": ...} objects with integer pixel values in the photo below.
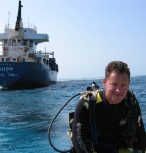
[{"x": 109, "y": 120}]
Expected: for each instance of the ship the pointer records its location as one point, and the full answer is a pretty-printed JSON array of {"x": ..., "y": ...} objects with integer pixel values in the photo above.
[{"x": 22, "y": 66}]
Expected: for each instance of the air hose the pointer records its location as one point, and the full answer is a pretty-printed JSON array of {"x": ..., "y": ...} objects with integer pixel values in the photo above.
[{"x": 49, "y": 130}]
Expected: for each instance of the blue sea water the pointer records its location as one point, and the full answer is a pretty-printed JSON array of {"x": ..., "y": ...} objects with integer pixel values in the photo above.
[{"x": 25, "y": 115}]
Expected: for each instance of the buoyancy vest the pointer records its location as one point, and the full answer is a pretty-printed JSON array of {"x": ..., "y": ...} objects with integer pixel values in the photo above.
[{"x": 129, "y": 133}]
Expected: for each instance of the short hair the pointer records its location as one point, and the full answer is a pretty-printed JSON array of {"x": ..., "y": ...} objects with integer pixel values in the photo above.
[{"x": 117, "y": 66}]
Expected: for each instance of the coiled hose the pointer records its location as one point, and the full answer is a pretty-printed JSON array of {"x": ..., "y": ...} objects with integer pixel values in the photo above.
[{"x": 49, "y": 130}]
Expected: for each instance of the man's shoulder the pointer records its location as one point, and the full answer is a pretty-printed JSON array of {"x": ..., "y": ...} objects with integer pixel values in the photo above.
[{"x": 89, "y": 96}]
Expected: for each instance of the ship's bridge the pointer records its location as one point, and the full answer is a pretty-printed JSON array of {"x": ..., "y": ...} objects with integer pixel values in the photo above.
[
  {"x": 31, "y": 34},
  {"x": 25, "y": 33}
]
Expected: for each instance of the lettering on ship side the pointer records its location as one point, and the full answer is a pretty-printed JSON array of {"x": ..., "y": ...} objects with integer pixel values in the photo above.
[
  {"x": 12, "y": 75},
  {"x": 9, "y": 72},
  {"x": 6, "y": 69}
]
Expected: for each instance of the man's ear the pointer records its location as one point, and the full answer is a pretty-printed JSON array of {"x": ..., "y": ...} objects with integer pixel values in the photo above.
[{"x": 104, "y": 82}]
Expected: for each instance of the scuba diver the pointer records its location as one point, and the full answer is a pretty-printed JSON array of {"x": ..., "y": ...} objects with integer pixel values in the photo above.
[{"x": 109, "y": 120}]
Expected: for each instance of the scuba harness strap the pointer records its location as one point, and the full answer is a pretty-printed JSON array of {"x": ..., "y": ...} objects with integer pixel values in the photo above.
[
  {"x": 96, "y": 98},
  {"x": 92, "y": 120},
  {"x": 129, "y": 134}
]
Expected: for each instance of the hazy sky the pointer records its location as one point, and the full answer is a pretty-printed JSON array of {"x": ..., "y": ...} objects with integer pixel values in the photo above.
[{"x": 86, "y": 34}]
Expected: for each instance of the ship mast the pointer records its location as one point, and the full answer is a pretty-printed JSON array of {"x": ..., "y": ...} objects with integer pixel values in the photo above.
[
  {"x": 19, "y": 19},
  {"x": 8, "y": 19}
]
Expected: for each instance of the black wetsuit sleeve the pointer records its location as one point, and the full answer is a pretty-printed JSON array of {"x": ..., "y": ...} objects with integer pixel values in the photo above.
[
  {"x": 81, "y": 137},
  {"x": 140, "y": 142}
]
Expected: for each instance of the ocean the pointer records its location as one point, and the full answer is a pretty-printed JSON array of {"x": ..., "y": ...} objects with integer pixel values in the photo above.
[{"x": 25, "y": 115}]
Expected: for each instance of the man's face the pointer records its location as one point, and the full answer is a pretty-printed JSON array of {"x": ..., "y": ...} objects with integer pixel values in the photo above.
[{"x": 116, "y": 87}]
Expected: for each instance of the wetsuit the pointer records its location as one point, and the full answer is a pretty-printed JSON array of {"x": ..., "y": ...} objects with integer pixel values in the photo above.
[{"x": 110, "y": 126}]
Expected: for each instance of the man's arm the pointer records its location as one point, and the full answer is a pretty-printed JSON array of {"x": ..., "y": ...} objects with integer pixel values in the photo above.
[
  {"x": 81, "y": 133},
  {"x": 140, "y": 142}
]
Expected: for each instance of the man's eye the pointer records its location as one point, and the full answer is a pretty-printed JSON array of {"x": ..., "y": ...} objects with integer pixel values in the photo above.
[{"x": 113, "y": 84}]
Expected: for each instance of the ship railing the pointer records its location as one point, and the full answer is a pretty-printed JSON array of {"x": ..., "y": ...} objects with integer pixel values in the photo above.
[
  {"x": 30, "y": 26},
  {"x": 46, "y": 53},
  {"x": 25, "y": 25}
]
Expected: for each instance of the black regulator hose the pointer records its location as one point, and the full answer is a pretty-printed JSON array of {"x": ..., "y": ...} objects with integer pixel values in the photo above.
[{"x": 49, "y": 130}]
